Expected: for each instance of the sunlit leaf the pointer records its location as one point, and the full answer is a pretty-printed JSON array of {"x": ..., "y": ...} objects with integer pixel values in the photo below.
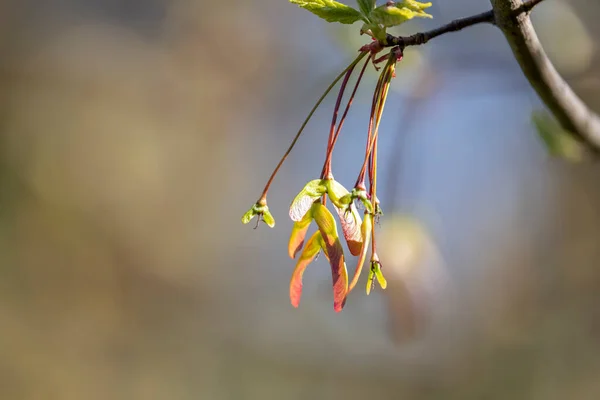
[
  {"x": 330, "y": 11},
  {"x": 413, "y": 5},
  {"x": 313, "y": 246},
  {"x": 298, "y": 234},
  {"x": 339, "y": 274},
  {"x": 348, "y": 214},
  {"x": 305, "y": 199},
  {"x": 366, "y": 227},
  {"x": 399, "y": 13}
]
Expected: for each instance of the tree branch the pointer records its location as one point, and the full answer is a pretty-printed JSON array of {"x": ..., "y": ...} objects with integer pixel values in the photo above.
[
  {"x": 512, "y": 17},
  {"x": 572, "y": 113},
  {"x": 454, "y": 26}
]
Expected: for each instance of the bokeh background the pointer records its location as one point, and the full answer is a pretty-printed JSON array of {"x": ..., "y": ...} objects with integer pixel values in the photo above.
[{"x": 134, "y": 134}]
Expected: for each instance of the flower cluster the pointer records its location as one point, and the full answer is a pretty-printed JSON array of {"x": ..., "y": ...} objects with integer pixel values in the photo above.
[{"x": 311, "y": 202}]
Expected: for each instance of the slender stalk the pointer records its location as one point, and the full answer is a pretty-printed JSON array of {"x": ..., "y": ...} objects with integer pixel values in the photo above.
[
  {"x": 360, "y": 180},
  {"x": 263, "y": 197},
  {"x": 373, "y": 156},
  {"x": 326, "y": 173},
  {"x": 381, "y": 96},
  {"x": 343, "y": 119}
]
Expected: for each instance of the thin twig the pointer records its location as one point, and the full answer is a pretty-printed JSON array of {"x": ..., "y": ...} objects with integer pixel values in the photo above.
[
  {"x": 454, "y": 26},
  {"x": 487, "y": 17}
]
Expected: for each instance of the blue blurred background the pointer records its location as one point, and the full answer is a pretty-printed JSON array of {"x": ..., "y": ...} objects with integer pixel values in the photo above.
[{"x": 134, "y": 134}]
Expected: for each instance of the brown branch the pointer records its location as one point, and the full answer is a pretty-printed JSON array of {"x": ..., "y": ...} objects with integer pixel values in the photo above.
[
  {"x": 572, "y": 113},
  {"x": 512, "y": 17},
  {"x": 454, "y": 26},
  {"x": 487, "y": 17}
]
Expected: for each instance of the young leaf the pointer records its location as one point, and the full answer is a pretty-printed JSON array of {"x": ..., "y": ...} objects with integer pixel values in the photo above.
[
  {"x": 339, "y": 273},
  {"x": 413, "y": 5},
  {"x": 389, "y": 16},
  {"x": 366, "y": 227},
  {"x": 313, "y": 246},
  {"x": 366, "y": 6},
  {"x": 305, "y": 199},
  {"x": 298, "y": 234},
  {"x": 330, "y": 10},
  {"x": 348, "y": 214}
]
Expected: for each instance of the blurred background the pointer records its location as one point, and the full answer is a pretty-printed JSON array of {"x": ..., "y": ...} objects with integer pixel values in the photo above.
[{"x": 134, "y": 134}]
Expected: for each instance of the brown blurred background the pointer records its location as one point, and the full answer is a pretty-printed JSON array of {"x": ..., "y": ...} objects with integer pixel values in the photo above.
[{"x": 134, "y": 134}]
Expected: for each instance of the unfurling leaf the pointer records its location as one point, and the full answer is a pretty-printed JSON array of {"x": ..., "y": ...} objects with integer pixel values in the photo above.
[
  {"x": 313, "y": 246},
  {"x": 298, "y": 234},
  {"x": 339, "y": 274},
  {"x": 348, "y": 214},
  {"x": 305, "y": 199},
  {"x": 399, "y": 13},
  {"x": 366, "y": 6},
  {"x": 366, "y": 227},
  {"x": 330, "y": 11},
  {"x": 413, "y": 5}
]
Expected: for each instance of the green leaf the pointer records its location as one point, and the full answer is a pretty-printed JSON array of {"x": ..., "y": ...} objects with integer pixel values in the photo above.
[
  {"x": 366, "y": 6},
  {"x": 339, "y": 273},
  {"x": 558, "y": 141},
  {"x": 330, "y": 11},
  {"x": 298, "y": 234},
  {"x": 313, "y": 246},
  {"x": 305, "y": 199},
  {"x": 413, "y": 5},
  {"x": 399, "y": 13}
]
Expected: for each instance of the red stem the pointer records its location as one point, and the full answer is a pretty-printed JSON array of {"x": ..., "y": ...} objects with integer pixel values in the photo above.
[
  {"x": 326, "y": 173},
  {"x": 343, "y": 119},
  {"x": 376, "y": 108},
  {"x": 263, "y": 198}
]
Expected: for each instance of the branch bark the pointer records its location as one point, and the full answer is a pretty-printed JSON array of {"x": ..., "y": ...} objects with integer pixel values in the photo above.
[
  {"x": 512, "y": 17},
  {"x": 454, "y": 26},
  {"x": 572, "y": 113}
]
